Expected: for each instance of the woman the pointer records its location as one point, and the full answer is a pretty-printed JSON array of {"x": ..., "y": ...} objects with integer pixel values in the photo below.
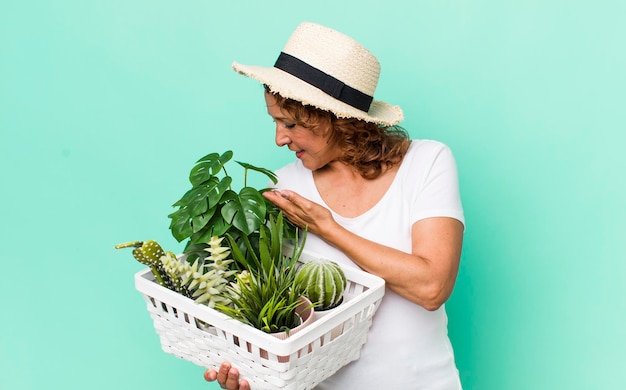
[{"x": 371, "y": 198}]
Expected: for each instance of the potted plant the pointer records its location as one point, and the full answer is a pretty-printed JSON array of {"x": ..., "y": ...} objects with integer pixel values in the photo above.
[
  {"x": 323, "y": 282},
  {"x": 211, "y": 208},
  {"x": 204, "y": 281},
  {"x": 265, "y": 296},
  {"x": 234, "y": 261},
  {"x": 256, "y": 285}
]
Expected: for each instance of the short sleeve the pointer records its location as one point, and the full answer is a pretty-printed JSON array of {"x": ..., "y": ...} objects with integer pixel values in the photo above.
[{"x": 437, "y": 192}]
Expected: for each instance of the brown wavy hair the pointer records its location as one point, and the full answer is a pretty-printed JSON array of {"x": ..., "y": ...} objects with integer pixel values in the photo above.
[{"x": 369, "y": 147}]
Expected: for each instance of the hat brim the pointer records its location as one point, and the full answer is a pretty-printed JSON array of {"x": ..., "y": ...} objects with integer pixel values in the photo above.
[{"x": 291, "y": 87}]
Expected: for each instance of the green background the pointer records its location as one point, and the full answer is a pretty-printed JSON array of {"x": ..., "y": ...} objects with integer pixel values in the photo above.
[{"x": 106, "y": 105}]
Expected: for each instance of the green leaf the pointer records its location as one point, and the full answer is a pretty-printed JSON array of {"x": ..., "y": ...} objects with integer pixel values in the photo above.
[
  {"x": 202, "y": 236},
  {"x": 226, "y": 157},
  {"x": 207, "y": 196},
  {"x": 246, "y": 212},
  {"x": 271, "y": 175},
  {"x": 208, "y": 166},
  {"x": 209, "y": 157},
  {"x": 200, "y": 173},
  {"x": 216, "y": 161},
  {"x": 267, "y": 262},
  {"x": 200, "y": 221},
  {"x": 180, "y": 226},
  {"x": 215, "y": 226},
  {"x": 236, "y": 253},
  {"x": 184, "y": 200},
  {"x": 276, "y": 231},
  {"x": 218, "y": 225},
  {"x": 219, "y": 192},
  {"x": 181, "y": 213},
  {"x": 199, "y": 206},
  {"x": 250, "y": 262},
  {"x": 191, "y": 196}
]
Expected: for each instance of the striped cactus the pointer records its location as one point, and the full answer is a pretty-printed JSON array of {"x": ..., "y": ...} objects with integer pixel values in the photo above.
[{"x": 322, "y": 281}]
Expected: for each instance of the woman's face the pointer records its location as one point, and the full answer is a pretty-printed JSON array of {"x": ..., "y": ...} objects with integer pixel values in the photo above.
[{"x": 312, "y": 148}]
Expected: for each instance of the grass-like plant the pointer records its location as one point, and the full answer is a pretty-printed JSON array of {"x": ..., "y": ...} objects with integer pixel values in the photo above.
[{"x": 265, "y": 298}]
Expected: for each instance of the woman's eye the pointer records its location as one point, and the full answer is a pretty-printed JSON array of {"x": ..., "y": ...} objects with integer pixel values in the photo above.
[{"x": 290, "y": 125}]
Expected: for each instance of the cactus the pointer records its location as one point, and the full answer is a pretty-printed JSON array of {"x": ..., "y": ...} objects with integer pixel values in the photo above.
[
  {"x": 150, "y": 253},
  {"x": 202, "y": 281},
  {"x": 323, "y": 282},
  {"x": 176, "y": 267}
]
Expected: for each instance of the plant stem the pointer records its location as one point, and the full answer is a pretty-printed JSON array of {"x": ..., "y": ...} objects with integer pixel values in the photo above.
[
  {"x": 157, "y": 275},
  {"x": 230, "y": 187}
]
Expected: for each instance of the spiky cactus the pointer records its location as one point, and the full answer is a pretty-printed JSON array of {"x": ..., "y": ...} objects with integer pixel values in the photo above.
[
  {"x": 176, "y": 267},
  {"x": 322, "y": 281},
  {"x": 150, "y": 253},
  {"x": 203, "y": 281}
]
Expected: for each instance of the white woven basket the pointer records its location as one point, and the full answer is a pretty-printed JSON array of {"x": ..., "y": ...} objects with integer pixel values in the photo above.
[{"x": 300, "y": 362}]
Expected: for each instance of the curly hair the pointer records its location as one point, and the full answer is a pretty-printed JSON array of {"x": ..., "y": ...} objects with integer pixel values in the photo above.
[{"x": 369, "y": 147}]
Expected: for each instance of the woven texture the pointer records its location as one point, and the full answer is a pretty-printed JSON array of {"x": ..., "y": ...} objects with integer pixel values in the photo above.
[
  {"x": 337, "y": 55},
  {"x": 301, "y": 361}
]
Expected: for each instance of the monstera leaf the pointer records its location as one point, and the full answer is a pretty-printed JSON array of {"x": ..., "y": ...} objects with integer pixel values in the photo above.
[
  {"x": 209, "y": 166},
  {"x": 264, "y": 171},
  {"x": 211, "y": 207},
  {"x": 247, "y": 212}
]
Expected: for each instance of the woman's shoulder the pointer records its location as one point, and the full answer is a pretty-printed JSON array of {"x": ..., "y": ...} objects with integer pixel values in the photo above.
[
  {"x": 427, "y": 149},
  {"x": 427, "y": 144}
]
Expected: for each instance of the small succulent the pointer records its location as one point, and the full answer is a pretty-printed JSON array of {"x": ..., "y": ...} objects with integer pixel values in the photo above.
[
  {"x": 322, "y": 281},
  {"x": 203, "y": 281},
  {"x": 206, "y": 282},
  {"x": 150, "y": 253}
]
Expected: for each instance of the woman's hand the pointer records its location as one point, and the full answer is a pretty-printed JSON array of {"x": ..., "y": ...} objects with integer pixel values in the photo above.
[
  {"x": 227, "y": 377},
  {"x": 301, "y": 211}
]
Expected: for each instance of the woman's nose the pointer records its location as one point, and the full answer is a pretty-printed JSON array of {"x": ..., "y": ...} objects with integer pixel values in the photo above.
[{"x": 282, "y": 138}]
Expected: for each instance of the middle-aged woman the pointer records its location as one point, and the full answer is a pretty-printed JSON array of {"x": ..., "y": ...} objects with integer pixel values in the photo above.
[{"x": 371, "y": 198}]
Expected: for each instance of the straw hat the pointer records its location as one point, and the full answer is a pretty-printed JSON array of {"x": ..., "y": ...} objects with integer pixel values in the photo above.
[{"x": 326, "y": 69}]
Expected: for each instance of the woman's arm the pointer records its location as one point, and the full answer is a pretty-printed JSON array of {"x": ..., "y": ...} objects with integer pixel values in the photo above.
[{"x": 426, "y": 276}]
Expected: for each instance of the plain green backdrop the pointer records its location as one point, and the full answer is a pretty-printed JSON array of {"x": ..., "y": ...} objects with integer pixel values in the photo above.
[{"x": 106, "y": 105}]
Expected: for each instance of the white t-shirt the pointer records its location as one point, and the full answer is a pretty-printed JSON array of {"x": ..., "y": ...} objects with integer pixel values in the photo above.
[{"x": 407, "y": 347}]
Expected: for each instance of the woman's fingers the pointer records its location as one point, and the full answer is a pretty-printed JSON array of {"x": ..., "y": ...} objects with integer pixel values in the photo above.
[
  {"x": 227, "y": 377},
  {"x": 222, "y": 376},
  {"x": 232, "y": 380},
  {"x": 279, "y": 198},
  {"x": 210, "y": 375},
  {"x": 284, "y": 200},
  {"x": 300, "y": 211}
]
